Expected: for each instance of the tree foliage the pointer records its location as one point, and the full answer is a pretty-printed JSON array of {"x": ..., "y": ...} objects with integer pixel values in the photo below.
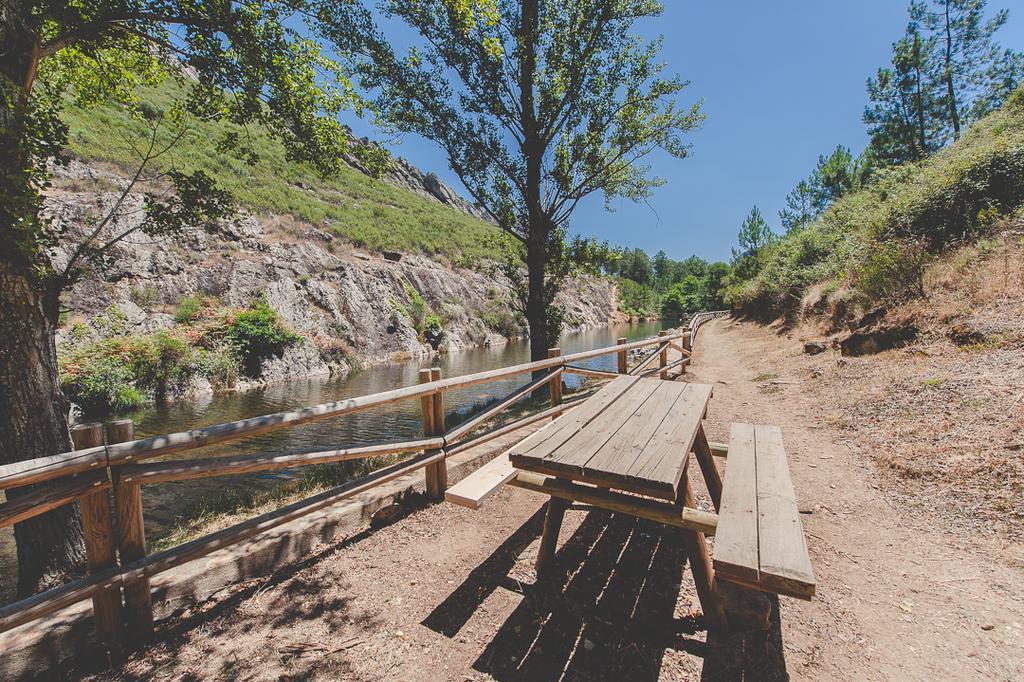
[
  {"x": 536, "y": 105},
  {"x": 947, "y": 71}
]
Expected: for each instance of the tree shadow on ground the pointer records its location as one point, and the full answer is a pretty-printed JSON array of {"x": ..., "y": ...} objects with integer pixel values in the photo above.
[{"x": 607, "y": 610}]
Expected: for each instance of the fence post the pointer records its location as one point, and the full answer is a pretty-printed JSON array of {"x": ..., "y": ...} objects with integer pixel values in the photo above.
[
  {"x": 441, "y": 468},
  {"x": 622, "y": 356},
  {"x": 100, "y": 554},
  {"x": 429, "y": 429},
  {"x": 555, "y": 386},
  {"x": 131, "y": 543},
  {"x": 663, "y": 357}
]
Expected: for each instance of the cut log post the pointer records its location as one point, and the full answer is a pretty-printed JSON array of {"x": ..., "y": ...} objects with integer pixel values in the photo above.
[
  {"x": 131, "y": 543},
  {"x": 706, "y": 459},
  {"x": 703, "y": 574},
  {"x": 100, "y": 552},
  {"x": 555, "y": 387},
  {"x": 663, "y": 358},
  {"x": 623, "y": 368},
  {"x": 427, "y": 411},
  {"x": 549, "y": 539},
  {"x": 441, "y": 467}
]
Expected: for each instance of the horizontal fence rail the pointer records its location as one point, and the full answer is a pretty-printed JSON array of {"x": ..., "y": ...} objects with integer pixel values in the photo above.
[{"x": 115, "y": 539}]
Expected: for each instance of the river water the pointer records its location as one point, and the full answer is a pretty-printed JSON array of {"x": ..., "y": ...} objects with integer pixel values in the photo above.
[{"x": 170, "y": 503}]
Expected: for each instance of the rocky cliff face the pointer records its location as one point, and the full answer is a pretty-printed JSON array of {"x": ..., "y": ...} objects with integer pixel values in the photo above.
[{"x": 351, "y": 307}]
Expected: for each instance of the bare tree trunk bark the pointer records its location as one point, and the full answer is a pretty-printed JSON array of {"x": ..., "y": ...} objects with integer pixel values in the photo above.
[
  {"x": 33, "y": 423},
  {"x": 954, "y": 117}
]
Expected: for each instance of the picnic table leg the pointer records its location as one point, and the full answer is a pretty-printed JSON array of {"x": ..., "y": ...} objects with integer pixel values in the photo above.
[
  {"x": 549, "y": 539},
  {"x": 703, "y": 574},
  {"x": 712, "y": 478}
]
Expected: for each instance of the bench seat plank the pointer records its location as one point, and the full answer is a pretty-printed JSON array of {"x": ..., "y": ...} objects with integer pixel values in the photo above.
[
  {"x": 736, "y": 546},
  {"x": 784, "y": 563},
  {"x": 760, "y": 541},
  {"x": 474, "y": 489}
]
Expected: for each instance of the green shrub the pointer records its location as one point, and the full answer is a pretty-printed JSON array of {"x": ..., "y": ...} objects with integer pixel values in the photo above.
[
  {"x": 258, "y": 333},
  {"x": 145, "y": 296},
  {"x": 891, "y": 271},
  {"x": 190, "y": 308},
  {"x": 500, "y": 318}
]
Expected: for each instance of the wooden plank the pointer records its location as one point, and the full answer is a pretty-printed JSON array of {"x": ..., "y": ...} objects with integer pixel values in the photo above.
[
  {"x": 53, "y": 600},
  {"x": 625, "y": 454},
  {"x": 588, "y": 372},
  {"x": 736, "y": 545},
  {"x": 785, "y": 566},
  {"x": 516, "y": 425},
  {"x": 50, "y": 496},
  {"x": 622, "y": 355},
  {"x": 533, "y": 449},
  {"x": 186, "y": 469},
  {"x": 672, "y": 444},
  {"x": 661, "y": 512},
  {"x": 473, "y": 490},
  {"x": 462, "y": 429},
  {"x": 439, "y": 468},
  {"x": 578, "y": 451},
  {"x": 712, "y": 478}
]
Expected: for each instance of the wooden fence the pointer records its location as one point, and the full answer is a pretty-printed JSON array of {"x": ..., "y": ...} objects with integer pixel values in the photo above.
[{"x": 106, "y": 474}]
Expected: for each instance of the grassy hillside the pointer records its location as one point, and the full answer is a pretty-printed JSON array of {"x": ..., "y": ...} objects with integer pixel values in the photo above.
[
  {"x": 875, "y": 244},
  {"x": 370, "y": 213}
]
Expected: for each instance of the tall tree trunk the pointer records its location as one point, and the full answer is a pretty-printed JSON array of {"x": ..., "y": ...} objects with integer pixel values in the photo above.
[
  {"x": 533, "y": 153},
  {"x": 33, "y": 410},
  {"x": 954, "y": 117},
  {"x": 922, "y": 142},
  {"x": 33, "y": 422}
]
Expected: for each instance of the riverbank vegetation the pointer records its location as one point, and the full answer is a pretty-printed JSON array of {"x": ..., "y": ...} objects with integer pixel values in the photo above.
[{"x": 120, "y": 371}]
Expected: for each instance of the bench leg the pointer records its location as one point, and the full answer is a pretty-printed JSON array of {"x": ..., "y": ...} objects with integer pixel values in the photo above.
[
  {"x": 549, "y": 539},
  {"x": 703, "y": 574},
  {"x": 712, "y": 478}
]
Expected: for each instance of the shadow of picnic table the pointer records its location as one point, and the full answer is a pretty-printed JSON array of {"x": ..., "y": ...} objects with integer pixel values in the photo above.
[{"x": 607, "y": 611}]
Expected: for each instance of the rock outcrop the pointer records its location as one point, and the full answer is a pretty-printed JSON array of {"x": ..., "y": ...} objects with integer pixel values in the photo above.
[{"x": 350, "y": 306}]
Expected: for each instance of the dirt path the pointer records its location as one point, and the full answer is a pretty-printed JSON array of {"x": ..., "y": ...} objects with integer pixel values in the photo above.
[
  {"x": 450, "y": 594},
  {"x": 898, "y": 596}
]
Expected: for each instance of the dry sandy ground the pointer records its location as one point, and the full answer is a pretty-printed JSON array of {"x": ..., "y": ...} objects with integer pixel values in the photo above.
[{"x": 450, "y": 594}]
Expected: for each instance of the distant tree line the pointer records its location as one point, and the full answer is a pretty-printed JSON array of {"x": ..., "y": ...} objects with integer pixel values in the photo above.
[{"x": 664, "y": 287}]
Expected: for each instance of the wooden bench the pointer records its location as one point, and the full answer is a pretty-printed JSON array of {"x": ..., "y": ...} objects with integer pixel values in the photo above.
[
  {"x": 475, "y": 488},
  {"x": 760, "y": 539}
]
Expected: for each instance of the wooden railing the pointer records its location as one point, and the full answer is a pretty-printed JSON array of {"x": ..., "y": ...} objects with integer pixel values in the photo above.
[
  {"x": 106, "y": 476},
  {"x": 700, "y": 318}
]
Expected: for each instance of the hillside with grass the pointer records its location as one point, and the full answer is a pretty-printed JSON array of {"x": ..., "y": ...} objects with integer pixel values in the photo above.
[
  {"x": 875, "y": 245},
  {"x": 369, "y": 213},
  {"x": 309, "y": 276}
]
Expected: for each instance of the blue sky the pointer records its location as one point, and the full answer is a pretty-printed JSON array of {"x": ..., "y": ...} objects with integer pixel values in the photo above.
[{"x": 781, "y": 82}]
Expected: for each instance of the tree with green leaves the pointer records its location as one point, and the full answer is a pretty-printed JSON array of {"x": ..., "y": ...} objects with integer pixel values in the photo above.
[
  {"x": 976, "y": 74},
  {"x": 537, "y": 105},
  {"x": 237, "y": 60},
  {"x": 905, "y": 107},
  {"x": 802, "y": 206},
  {"x": 754, "y": 236},
  {"x": 833, "y": 176}
]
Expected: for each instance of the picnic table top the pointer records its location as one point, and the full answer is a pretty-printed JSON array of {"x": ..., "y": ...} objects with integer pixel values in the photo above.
[{"x": 634, "y": 434}]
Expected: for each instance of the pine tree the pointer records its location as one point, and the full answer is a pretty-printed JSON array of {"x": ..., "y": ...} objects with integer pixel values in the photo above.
[
  {"x": 904, "y": 112},
  {"x": 976, "y": 75}
]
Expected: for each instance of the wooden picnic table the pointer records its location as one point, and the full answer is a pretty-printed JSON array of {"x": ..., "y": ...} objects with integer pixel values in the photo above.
[{"x": 634, "y": 436}]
